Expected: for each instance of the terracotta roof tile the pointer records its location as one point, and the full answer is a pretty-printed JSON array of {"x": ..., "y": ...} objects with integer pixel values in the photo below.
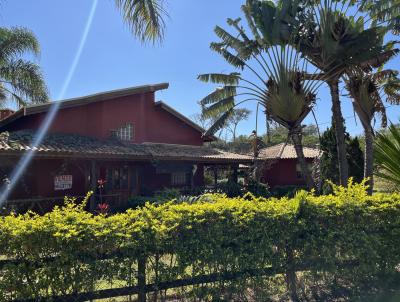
[
  {"x": 288, "y": 152},
  {"x": 81, "y": 146},
  {"x": 188, "y": 152}
]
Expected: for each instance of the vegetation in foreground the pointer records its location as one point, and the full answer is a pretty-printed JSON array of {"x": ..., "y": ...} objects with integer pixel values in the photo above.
[{"x": 331, "y": 247}]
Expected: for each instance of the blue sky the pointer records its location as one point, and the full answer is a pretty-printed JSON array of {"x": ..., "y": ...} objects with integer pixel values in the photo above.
[{"x": 112, "y": 58}]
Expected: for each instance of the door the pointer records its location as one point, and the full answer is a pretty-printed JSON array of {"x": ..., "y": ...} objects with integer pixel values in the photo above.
[{"x": 121, "y": 183}]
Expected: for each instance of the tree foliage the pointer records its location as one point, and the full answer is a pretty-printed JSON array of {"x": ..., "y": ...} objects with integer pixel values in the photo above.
[
  {"x": 145, "y": 18},
  {"x": 329, "y": 160},
  {"x": 387, "y": 155},
  {"x": 21, "y": 80}
]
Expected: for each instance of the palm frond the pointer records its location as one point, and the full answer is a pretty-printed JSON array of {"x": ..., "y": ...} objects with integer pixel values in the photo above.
[
  {"x": 228, "y": 56},
  {"x": 218, "y": 94},
  {"x": 219, "y": 123},
  {"x": 17, "y": 41},
  {"x": 25, "y": 81},
  {"x": 387, "y": 150},
  {"x": 220, "y": 78},
  {"x": 145, "y": 18},
  {"x": 218, "y": 108}
]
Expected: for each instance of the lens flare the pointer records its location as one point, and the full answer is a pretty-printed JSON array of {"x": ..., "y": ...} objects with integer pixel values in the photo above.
[{"x": 23, "y": 163}]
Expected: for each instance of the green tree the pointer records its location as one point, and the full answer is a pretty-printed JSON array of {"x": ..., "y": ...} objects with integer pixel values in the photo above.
[
  {"x": 368, "y": 92},
  {"x": 286, "y": 97},
  {"x": 145, "y": 18},
  {"x": 278, "y": 134},
  {"x": 237, "y": 116},
  {"x": 329, "y": 168},
  {"x": 387, "y": 152},
  {"x": 21, "y": 80},
  {"x": 336, "y": 41}
]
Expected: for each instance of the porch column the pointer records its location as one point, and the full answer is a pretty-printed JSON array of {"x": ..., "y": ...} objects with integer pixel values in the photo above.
[
  {"x": 93, "y": 184},
  {"x": 235, "y": 173},
  {"x": 215, "y": 169}
]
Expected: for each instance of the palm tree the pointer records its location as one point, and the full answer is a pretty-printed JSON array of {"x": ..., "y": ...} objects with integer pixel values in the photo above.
[
  {"x": 368, "y": 91},
  {"x": 336, "y": 42},
  {"x": 387, "y": 150},
  {"x": 145, "y": 18},
  {"x": 281, "y": 90},
  {"x": 20, "y": 80}
]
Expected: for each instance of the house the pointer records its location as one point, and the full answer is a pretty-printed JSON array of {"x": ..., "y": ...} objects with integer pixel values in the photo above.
[
  {"x": 280, "y": 166},
  {"x": 125, "y": 137}
]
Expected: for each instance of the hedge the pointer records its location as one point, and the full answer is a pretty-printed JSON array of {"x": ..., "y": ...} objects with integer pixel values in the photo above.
[{"x": 340, "y": 245}]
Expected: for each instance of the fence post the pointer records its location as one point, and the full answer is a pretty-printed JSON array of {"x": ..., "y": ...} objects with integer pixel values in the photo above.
[
  {"x": 291, "y": 278},
  {"x": 142, "y": 279}
]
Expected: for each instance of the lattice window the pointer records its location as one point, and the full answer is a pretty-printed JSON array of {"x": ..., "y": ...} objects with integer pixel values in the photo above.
[{"x": 125, "y": 133}]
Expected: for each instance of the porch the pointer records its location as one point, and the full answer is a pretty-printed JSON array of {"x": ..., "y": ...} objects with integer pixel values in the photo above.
[{"x": 72, "y": 165}]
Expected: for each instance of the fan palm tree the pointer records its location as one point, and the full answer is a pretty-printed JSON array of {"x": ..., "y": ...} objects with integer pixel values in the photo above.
[
  {"x": 368, "y": 92},
  {"x": 21, "y": 81},
  {"x": 280, "y": 89},
  {"x": 387, "y": 150},
  {"x": 145, "y": 18},
  {"x": 336, "y": 42}
]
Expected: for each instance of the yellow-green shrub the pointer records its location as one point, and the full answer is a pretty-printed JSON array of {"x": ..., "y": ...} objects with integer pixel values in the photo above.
[{"x": 348, "y": 234}]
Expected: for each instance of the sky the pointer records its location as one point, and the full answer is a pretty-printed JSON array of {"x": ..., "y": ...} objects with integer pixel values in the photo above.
[{"x": 113, "y": 58}]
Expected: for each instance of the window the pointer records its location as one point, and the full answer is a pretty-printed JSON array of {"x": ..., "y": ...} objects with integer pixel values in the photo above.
[
  {"x": 179, "y": 178},
  {"x": 125, "y": 133}
]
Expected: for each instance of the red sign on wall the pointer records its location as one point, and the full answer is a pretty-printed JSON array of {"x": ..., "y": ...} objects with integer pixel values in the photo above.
[{"x": 62, "y": 182}]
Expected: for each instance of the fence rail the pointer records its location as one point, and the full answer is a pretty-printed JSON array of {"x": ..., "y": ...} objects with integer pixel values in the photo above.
[{"x": 142, "y": 288}]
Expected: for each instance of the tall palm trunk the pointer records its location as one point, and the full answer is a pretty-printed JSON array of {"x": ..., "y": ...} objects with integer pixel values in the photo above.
[
  {"x": 339, "y": 131},
  {"x": 369, "y": 159},
  {"x": 268, "y": 126},
  {"x": 298, "y": 146}
]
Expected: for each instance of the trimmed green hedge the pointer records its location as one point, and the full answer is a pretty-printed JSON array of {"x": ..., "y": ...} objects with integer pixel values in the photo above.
[{"x": 341, "y": 245}]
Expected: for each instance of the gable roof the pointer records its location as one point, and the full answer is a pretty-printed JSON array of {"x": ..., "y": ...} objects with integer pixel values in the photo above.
[
  {"x": 84, "y": 100},
  {"x": 61, "y": 145},
  {"x": 282, "y": 151}
]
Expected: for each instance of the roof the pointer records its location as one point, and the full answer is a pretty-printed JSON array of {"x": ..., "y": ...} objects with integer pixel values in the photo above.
[
  {"x": 182, "y": 152},
  {"x": 79, "y": 101},
  {"x": 286, "y": 151},
  {"x": 75, "y": 146}
]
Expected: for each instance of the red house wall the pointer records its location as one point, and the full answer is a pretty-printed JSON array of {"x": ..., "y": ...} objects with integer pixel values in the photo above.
[
  {"x": 282, "y": 173},
  {"x": 38, "y": 181},
  {"x": 151, "y": 122}
]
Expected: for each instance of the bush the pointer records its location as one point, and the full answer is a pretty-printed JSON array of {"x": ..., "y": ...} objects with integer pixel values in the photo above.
[
  {"x": 258, "y": 189},
  {"x": 343, "y": 244},
  {"x": 286, "y": 191},
  {"x": 167, "y": 194}
]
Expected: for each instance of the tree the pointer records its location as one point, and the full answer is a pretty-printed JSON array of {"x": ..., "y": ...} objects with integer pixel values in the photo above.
[
  {"x": 335, "y": 41},
  {"x": 282, "y": 91},
  {"x": 145, "y": 18},
  {"x": 21, "y": 81},
  {"x": 233, "y": 121},
  {"x": 279, "y": 134},
  {"x": 368, "y": 92},
  {"x": 329, "y": 159},
  {"x": 387, "y": 152}
]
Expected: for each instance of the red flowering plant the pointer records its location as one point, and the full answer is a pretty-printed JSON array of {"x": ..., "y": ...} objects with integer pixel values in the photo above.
[{"x": 102, "y": 207}]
